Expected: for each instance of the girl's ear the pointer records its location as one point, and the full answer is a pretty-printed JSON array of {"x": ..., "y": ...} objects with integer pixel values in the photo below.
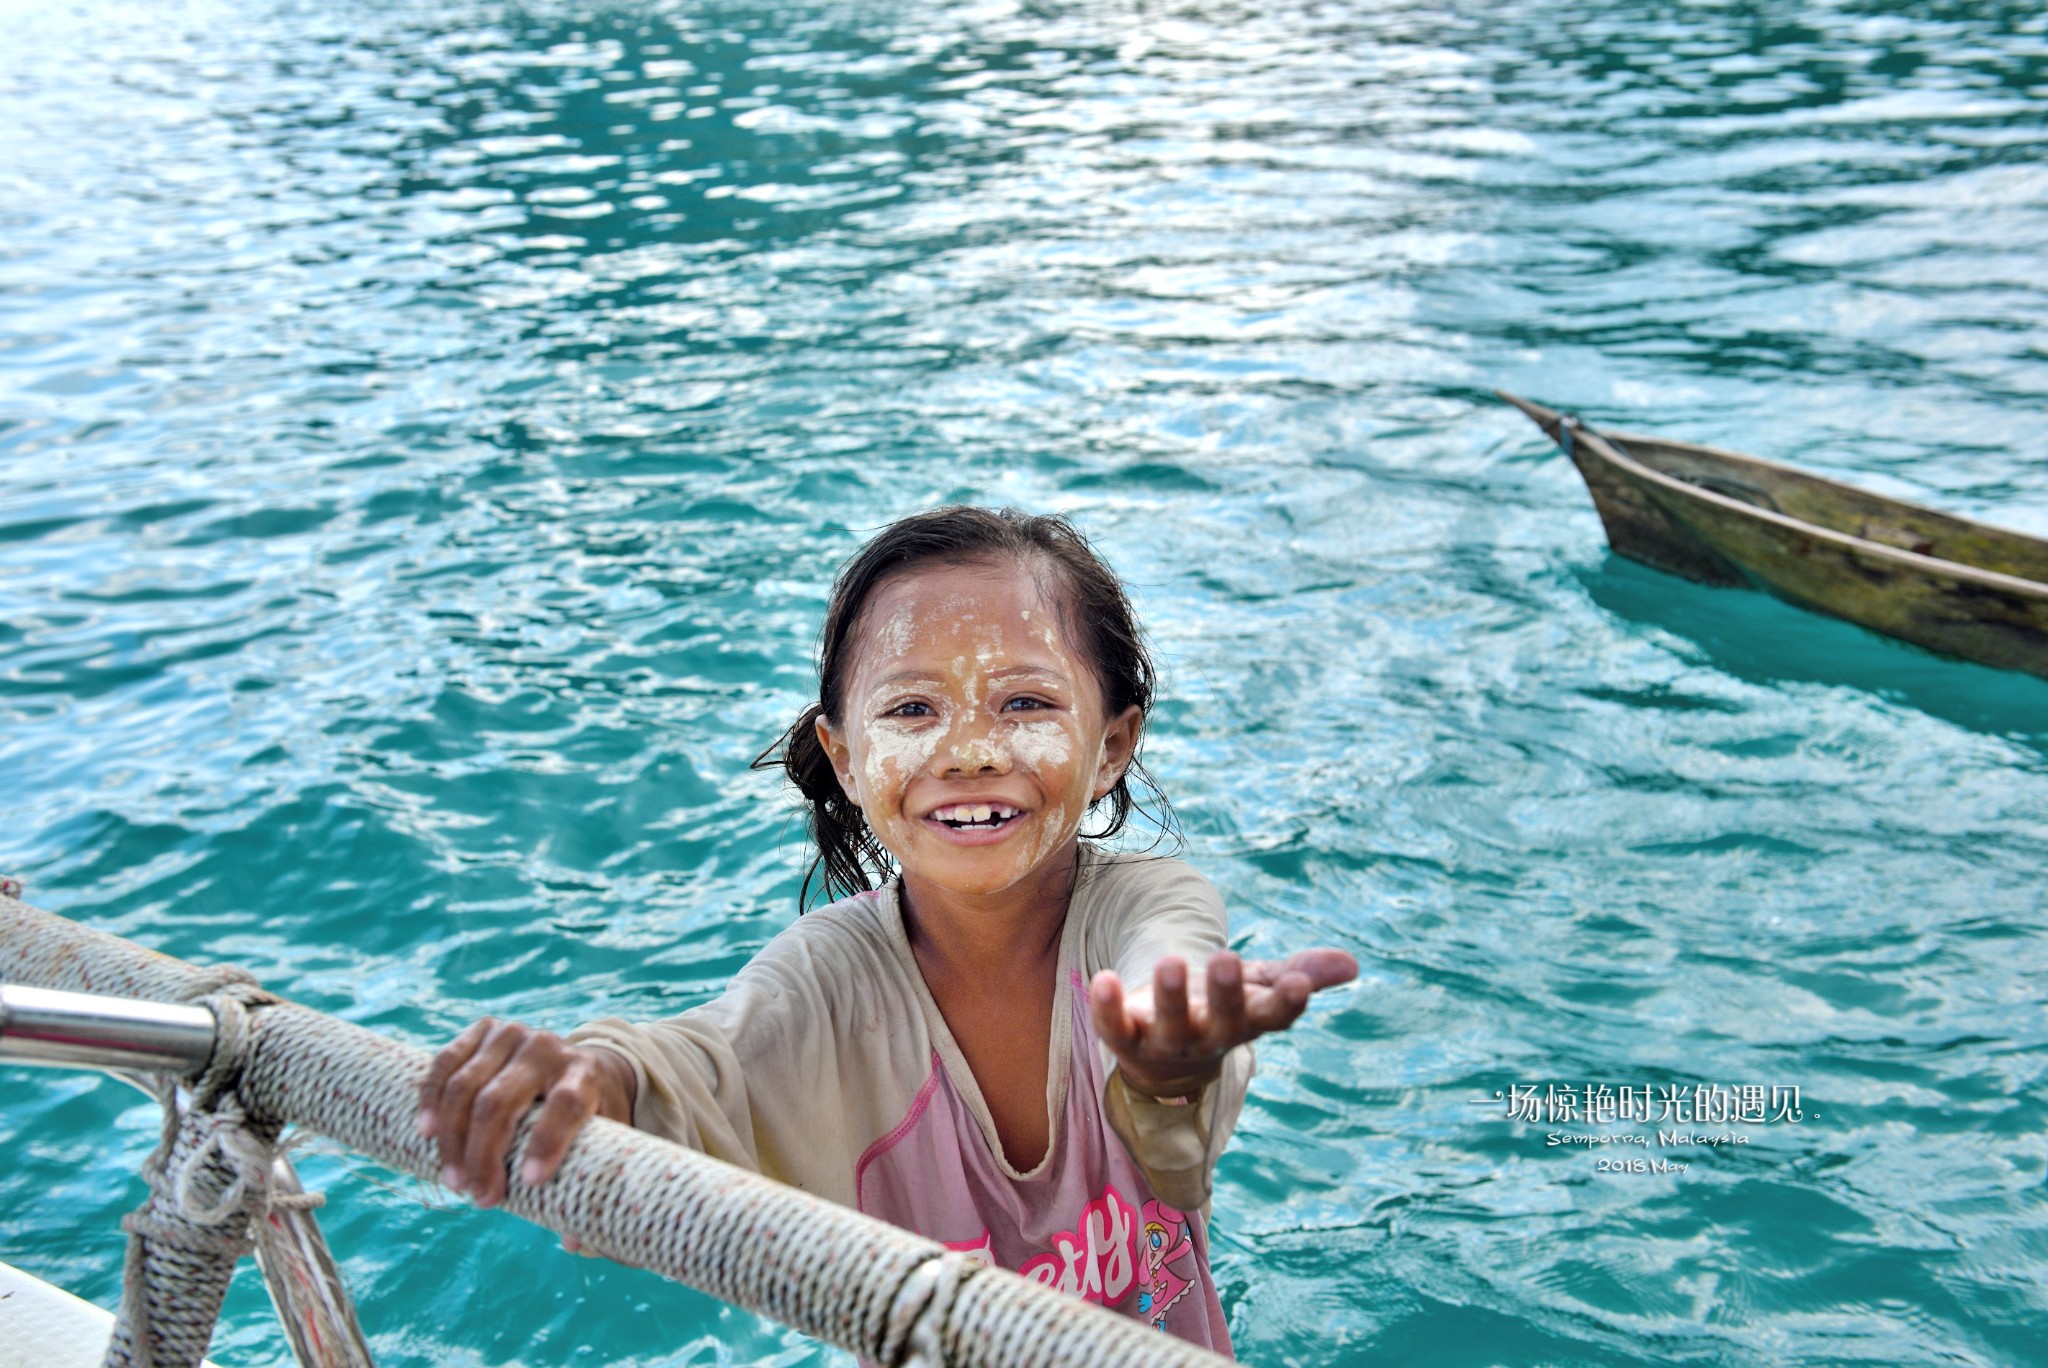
[
  {"x": 834, "y": 746},
  {"x": 1119, "y": 744}
]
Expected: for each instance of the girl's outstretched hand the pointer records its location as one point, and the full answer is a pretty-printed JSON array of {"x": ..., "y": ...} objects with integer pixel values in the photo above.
[
  {"x": 1170, "y": 1039},
  {"x": 482, "y": 1085}
]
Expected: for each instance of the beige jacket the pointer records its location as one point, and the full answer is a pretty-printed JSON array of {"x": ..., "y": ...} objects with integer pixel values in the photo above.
[{"x": 826, "y": 1043}]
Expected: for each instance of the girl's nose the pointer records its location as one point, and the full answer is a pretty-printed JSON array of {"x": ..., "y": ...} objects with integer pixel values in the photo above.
[{"x": 971, "y": 749}]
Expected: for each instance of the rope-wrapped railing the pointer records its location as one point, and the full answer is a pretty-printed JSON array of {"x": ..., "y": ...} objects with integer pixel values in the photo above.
[{"x": 887, "y": 1295}]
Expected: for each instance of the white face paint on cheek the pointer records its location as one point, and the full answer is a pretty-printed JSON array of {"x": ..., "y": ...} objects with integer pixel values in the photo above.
[
  {"x": 1046, "y": 747},
  {"x": 894, "y": 754},
  {"x": 886, "y": 754},
  {"x": 1041, "y": 745},
  {"x": 1051, "y": 832},
  {"x": 890, "y": 757},
  {"x": 890, "y": 753}
]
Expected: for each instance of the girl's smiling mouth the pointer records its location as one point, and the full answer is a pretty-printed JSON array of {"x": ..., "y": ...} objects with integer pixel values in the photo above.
[{"x": 974, "y": 822}]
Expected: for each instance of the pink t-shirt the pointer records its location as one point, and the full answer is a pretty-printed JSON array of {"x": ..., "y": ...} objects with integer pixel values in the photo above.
[
  {"x": 1085, "y": 1220},
  {"x": 827, "y": 1065}
]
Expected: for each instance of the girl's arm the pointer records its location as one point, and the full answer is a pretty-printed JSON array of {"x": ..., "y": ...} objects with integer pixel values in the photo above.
[
  {"x": 759, "y": 1077},
  {"x": 1183, "y": 1058},
  {"x": 1180, "y": 1046},
  {"x": 695, "y": 1079}
]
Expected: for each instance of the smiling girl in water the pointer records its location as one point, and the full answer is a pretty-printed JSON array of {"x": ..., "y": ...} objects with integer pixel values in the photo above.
[{"x": 1002, "y": 1037}]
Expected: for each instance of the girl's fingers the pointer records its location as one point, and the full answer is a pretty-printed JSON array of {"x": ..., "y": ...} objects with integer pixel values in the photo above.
[
  {"x": 1279, "y": 1006},
  {"x": 453, "y": 1056},
  {"x": 1316, "y": 969},
  {"x": 1175, "y": 1022},
  {"x": 1113, "y": 1023},
  {"x": 1226, "y": 1025},
  {"x": 1171, "y": 1028},
  {"x": 563, "y": 1113},
  {"x": 459, "y": 1094},
  {"x": 1324, "y": 968},
  {"x": 495, "y": 1119}
]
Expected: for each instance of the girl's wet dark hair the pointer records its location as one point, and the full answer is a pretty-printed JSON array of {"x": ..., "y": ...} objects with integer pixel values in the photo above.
[{"x": 1095, "y": 614}]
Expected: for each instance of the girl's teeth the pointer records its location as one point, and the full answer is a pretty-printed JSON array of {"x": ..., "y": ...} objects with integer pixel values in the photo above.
[{"x": 977, "y": 814}]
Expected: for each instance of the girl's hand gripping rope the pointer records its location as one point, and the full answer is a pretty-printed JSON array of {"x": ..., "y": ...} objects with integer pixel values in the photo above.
[
  {"x": 1170, "y": 1038},
  {"x": 479, "y": 1088}
]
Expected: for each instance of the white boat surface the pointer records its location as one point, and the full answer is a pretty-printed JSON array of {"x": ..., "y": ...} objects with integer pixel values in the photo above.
[{"x": 46, "y": 1327}]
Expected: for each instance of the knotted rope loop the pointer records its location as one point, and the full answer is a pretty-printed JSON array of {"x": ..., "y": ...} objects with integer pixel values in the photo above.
[
  {"x": 224, "y": 1140},
  {"x": 230, "y": 1000},
  {"x": 181, "y": 1235},
  {"x": 919, "y": 1315},
  {"x": 209, "y": 1182}
]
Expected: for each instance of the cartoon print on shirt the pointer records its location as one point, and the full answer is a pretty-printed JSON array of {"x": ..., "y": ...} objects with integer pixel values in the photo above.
[{"x": 1163, "y": 1243}]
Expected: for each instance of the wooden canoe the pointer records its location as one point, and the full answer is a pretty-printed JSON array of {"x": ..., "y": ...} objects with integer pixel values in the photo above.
[{"x": 1952, "y": 585}]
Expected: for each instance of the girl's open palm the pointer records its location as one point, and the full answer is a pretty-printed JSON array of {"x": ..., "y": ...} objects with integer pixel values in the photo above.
[{"x": 1170, "y": 1038}]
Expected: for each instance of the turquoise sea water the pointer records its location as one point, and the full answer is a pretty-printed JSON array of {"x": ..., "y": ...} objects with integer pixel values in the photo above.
[{"x": 427, "y": 432}]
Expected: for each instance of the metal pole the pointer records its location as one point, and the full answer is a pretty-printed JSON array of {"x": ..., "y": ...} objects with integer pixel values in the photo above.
[
  {"x": 306, "y": 1288},
  {"x": 88, "y": 1031},
  {"x": 131, "y": 1038}
]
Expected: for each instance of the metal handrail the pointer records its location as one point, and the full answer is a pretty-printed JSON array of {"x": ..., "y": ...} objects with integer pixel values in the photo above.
[
  {"x": 130, "y": 1038},
  {"x": 89, "y": 1031}
]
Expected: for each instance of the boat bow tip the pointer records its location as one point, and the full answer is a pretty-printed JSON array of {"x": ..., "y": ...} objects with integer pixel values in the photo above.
[{"x": 1550, "y": 420}]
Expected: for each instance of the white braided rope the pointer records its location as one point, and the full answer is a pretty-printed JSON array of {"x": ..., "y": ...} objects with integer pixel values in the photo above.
[
  {"x": 208, "y": 1180},
  {"x": 890, "y": 1296}
]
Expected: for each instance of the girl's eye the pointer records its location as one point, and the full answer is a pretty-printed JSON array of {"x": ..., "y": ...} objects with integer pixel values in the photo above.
[
  {"x": 913, "y": 708},
  {"x": 1025, "y": 702}
]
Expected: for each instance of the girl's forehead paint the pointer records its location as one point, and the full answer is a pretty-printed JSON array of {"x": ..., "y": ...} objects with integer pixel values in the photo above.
[
  {"x": 910, "y": 624},
  {"x": 899, "y": 633}
]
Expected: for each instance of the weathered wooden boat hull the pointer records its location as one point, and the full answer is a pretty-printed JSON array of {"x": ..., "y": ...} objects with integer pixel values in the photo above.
[{"x": 1955, "y": 586}]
